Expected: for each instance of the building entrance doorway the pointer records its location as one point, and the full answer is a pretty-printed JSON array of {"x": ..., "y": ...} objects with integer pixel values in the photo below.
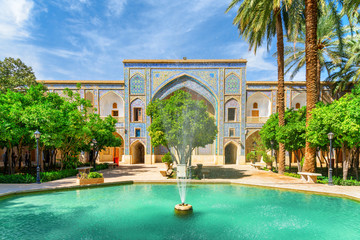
[
  {"x": 137, "y": 153},
  {"x": 230, "y": 154}
]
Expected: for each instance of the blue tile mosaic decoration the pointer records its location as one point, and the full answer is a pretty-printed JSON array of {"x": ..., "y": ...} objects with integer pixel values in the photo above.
[
  {"x": 236, "y": 71},
  {"x": 232, "y": 103},
  {"x": 134, "y": 71},
  {"x": 232, "y": 84},
  {"x": 235, "y": 126},
  {"x": 137, "y": 85},
  {"x": 162, "y": 77},
  {"x": 141, "y": 126}
]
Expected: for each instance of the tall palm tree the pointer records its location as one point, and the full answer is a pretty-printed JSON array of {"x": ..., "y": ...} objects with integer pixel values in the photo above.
[
  {"x": 263, "y": 19},
  {"x": 329, "y": 46},
  {"x": 347, "y": 73},
  {"x": 311, "y": 13}
]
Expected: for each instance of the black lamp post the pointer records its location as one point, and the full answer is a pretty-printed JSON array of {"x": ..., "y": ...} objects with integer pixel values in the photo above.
[
  {"x": 93, "y": 143},
  {"x": 37, "y": 136},
  {"x": 330, "y": 136}
]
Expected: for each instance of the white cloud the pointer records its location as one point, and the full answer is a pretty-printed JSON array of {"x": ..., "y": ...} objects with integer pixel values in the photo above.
[
  {"x": 116, "y": 7},
  {"x": 14, "y": 18},
  {"x": 259, "y": 61}
]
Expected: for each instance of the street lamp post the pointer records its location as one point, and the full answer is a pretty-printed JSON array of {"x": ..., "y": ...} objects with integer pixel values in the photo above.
[
  {"x": 94, "y": 142},
  {"x": 37, "y": 136},
  {"x": 330, "y": 136}
]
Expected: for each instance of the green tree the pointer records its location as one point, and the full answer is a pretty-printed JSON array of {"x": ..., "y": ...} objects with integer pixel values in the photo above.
[
  {"x": 346, "y": 74},
  {"x": 14, "y": 74},
  {"x": 293, "y": 133},
  {"x": 342, "y": 118},
  {"x": 180, "y": 124},
  {"x": 102, "y": 130}
]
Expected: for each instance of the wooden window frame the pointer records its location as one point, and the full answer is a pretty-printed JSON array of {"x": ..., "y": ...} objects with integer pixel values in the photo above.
[
  {"x": 228, "y": 115},
  {"x": 231, "y": 130},
  {"x": 137, "y": 130},
  {"x": 136, "y": 116}
]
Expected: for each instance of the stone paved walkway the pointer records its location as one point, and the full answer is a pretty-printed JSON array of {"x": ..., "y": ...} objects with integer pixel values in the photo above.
[{"x": 242, "y": 174}]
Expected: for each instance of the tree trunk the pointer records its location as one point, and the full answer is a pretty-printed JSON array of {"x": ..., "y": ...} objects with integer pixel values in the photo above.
[
  {"x": 280, "y": 92},
  {"x": 298, "y": 162},
  {"x": 345, "y": 161},
  {"x": 290, "y": 159},
  {"x": 356, "y": 165},
  {"x": 311, "y": 75},
  {"x": 318, "y": 80}
]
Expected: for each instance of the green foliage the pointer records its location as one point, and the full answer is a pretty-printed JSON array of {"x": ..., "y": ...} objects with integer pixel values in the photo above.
[
  {"x": 251, "y": 156},
  {"x": 268, "y": 132},
  {"x": 14, "y": 74},
  {"x": 167, "y": 158},
  {"x": 44, "y": 176},
  {"x": 180, "y": 123},
  {"x": 339, "y": 181},
  {"x": 295, "y": 175},
  {"x": 71, "y": 162},
  {"x": 63, "y": 122},
  {"x": 54, "y": 175},
  {"x": 102, "y": 130},
  {"x": 293, "y": 133},
  {"x": 95, "y": 175},
  {"x": 17, "y": 178},
  {"x": 267, "y": 158},
  {"x": 101, "y": 167}
]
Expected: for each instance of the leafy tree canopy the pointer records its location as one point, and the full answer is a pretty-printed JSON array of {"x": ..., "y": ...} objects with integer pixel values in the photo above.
[
  {"x": 14, "y": 74},
  {"x": 180, "y": 124}
]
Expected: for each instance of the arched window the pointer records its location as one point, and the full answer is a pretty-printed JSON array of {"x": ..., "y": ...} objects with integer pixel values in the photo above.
[
  {"x": 255, "y": 105},
  {"x": 297, "y": 105},
  {"x": 114, "y": 112}
]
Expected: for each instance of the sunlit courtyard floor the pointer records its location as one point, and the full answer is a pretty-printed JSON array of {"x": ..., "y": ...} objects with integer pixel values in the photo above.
[{"x": 235, "y": 174}]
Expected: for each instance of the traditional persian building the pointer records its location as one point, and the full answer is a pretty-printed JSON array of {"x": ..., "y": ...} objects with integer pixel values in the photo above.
[{"x": 239, "y": 107}]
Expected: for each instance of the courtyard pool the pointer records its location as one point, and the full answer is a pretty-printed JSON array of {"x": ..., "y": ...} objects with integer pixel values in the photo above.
[{"x": 147, "y": 212}]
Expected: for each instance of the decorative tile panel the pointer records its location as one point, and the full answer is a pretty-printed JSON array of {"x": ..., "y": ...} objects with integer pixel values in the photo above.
[
  {"x": 141, "y": 126},
  {"x": 137, "y": 85},
  {"x": 232, "y": 84},
  {"x": 232, "y": 103},
  {"x": 135, "y": 71},
  {"x": 161, "y": 77},
  {"x": 236, "y": 71},
  {"x": 235, "y": 126}
]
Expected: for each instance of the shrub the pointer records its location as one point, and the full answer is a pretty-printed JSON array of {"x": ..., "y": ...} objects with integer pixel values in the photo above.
[
  {"x": 339, "y": 181},
  {"x": 101, "y": 167},
  {"x": 71, "y": 162},
  {"x": 17, "y": 178},
  {"x": 295, "y": 175},
  {"x": 251, "y": 156},
  {"x": 167, "y": 158},
  {"x": 94, "y": 175},
  {"x": 54, "y": 175}
]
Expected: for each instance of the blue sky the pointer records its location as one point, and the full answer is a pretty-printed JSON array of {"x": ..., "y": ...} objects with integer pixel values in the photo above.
[{"x": 89, "y": 39}]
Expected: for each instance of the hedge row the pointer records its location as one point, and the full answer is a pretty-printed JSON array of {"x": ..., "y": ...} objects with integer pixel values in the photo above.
[
  {"x": 325, "y": 180},
  {"x": 44, "y": 176}
]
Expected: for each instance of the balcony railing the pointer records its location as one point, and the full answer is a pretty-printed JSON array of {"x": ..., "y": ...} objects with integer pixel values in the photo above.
[
  {"x": 119, "y": 119},
  {"x": 256, "y": 119}
]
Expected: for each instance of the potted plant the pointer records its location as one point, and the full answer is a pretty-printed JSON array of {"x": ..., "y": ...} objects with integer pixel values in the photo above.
[
  {"x": 251, "y": 156},
  {"x": 268, "y": 160},
  {"x": 167, "y": 160},
  {"x": 169, "y": 164},
  {"x": 91, "y": 178}
]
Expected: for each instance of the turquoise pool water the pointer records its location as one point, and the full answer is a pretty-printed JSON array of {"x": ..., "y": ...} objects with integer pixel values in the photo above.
[{"x": 147, "y": 212}]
